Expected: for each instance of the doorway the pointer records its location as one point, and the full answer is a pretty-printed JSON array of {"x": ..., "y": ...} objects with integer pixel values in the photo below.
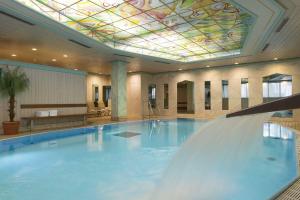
[{"x": 185, "y": 97}]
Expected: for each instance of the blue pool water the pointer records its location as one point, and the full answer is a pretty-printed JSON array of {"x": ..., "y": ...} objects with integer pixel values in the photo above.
[
  {"x": 126, "y": 161},
  {"x": 114, "y": 162}
]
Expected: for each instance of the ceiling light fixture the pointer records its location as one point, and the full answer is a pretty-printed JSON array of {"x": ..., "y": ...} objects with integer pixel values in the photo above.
[
  {"x": 34, "y": 49},
  {"x": 207, "y": 66},
  {"x": 236, "y": 63},
  {"x": 54, "y": 60},
  {"x": 129, "y": 71},
  {"x": 275, "y": 58},
  {"x": 13, "y": 55},
  {"x": 76, "y": 69},
  {"x": 65, "y": 55},
  {"x": 179, "y": 69}
]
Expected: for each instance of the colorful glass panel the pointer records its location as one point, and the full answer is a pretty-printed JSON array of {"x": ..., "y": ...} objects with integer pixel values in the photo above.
[{"x": 184, "y": 31}]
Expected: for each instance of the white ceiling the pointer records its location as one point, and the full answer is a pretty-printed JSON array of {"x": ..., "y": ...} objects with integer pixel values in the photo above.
[{"x": 52, "y": 41}]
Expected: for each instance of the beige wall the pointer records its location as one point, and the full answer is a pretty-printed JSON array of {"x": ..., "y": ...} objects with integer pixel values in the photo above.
[
  {"x": 234, "y": 74},
  {"x": 134, "y": 96},
  {"x": 100, "y": 80},
  {"x": 49, "y": 87}
]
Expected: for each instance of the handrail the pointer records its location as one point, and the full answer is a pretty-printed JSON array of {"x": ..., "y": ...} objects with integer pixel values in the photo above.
[{"x": 287, "y": 103}]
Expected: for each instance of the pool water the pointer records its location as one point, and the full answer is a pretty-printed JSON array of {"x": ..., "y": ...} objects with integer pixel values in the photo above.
[
  {"x": 132, "y": 161},
  {"x": 115, "y": 162}
]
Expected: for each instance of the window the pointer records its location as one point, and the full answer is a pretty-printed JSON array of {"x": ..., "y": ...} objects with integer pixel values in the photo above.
[
  {"x": 244, "y": 93},
  {"x": 244, "y": 88},
  {"x": 277, "y": 86},
  {"x": 152, "y": 95},
  {"x": 207, "y": 94},
  {"x": 225, "y": 101},
  {"x": 166, "y": 96}
]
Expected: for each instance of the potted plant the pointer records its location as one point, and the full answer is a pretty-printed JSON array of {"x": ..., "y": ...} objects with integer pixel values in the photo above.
[{"x": 12, "y": 82}]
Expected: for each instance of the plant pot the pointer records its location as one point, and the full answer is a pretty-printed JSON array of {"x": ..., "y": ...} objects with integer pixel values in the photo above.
[{"x": 11, "y": 128}]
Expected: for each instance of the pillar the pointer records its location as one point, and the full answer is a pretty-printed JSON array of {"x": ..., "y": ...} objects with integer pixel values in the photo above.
[{"x": 118, "y": 90}]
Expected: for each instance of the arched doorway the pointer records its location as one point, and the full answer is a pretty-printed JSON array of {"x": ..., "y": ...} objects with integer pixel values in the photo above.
[{"x": 185, "y": 97}]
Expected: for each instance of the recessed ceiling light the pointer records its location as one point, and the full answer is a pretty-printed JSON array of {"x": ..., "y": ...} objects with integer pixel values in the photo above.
[
  {"x": 236, "y": 63},
  {"x": 207, "y": 66},
  {"x": 179, "y": 69},
  {"x": 65, "y": 55},
  {"x": 275, "y": 58},
  {"x": 54, "y": 60},
  {"x": 75, "y": 69},
  {"x": 13, "y": 55},
  {"x": 34, "y": 49}
]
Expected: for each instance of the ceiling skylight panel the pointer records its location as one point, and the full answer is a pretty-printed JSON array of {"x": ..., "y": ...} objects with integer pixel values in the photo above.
[
  {"x": 124, "y": 24},
  {"x": 91, "y": 23},
  {"x": 145, "y": 5},
  {"x": 107, "y": 30},
  {"x": 191, "y": 33},
  {"x": 86, "y": 7},
  {"x": 162, "y": 27},
  {"x": 125, "y": 10},
  {"x": 173, "y": 20},
  {"x": 107, "y": 17},
  {"x": 106, "y": 4},
  {"x": 137, "y": 30},
  {"x": 154, "y": 26},
  {"x": 73, "y": 14},
  {"x": 160, "y": 13},
  {"x": 58, "y": 4},
  {"x": 122, "y": 35},
  {"x": 141, "y": 19}
]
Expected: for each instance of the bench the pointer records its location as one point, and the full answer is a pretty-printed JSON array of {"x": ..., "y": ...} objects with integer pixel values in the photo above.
[{"x": 59, "y": 119}]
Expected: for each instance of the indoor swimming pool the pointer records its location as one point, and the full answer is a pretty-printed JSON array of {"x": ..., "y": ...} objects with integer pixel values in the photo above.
[{"x": 126, "y": 161}]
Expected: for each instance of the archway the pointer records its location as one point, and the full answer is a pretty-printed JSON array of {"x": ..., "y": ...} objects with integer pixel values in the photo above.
[{"x": 185, "y": 97}]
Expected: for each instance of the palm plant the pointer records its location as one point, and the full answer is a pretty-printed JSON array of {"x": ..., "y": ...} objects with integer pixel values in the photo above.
[{"x": 12, "y": 82}]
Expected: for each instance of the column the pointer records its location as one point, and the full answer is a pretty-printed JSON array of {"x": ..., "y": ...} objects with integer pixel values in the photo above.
[{"x": 118, "y": 90}]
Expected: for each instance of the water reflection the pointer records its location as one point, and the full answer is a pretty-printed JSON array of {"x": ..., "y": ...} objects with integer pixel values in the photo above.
[
  {"x": 95, "y": 141},
  {"x": 277, "y": 131}
]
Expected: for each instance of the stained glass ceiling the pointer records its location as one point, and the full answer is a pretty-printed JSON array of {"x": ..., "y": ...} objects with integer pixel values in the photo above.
[{"x": 180, "y": 30}]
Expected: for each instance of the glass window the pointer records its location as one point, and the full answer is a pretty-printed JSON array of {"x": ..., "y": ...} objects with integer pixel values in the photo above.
[
  {"x": 244, "y": 93},
  {"x": 277, "y": 89},
  {"x": 285, "y": 88},
  {"x": 225, "y": 89},
  {"x": 244, "y": 88}
]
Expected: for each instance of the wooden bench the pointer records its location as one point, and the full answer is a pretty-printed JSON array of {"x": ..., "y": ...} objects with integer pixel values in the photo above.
[{"x": 32, "y": 119}]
